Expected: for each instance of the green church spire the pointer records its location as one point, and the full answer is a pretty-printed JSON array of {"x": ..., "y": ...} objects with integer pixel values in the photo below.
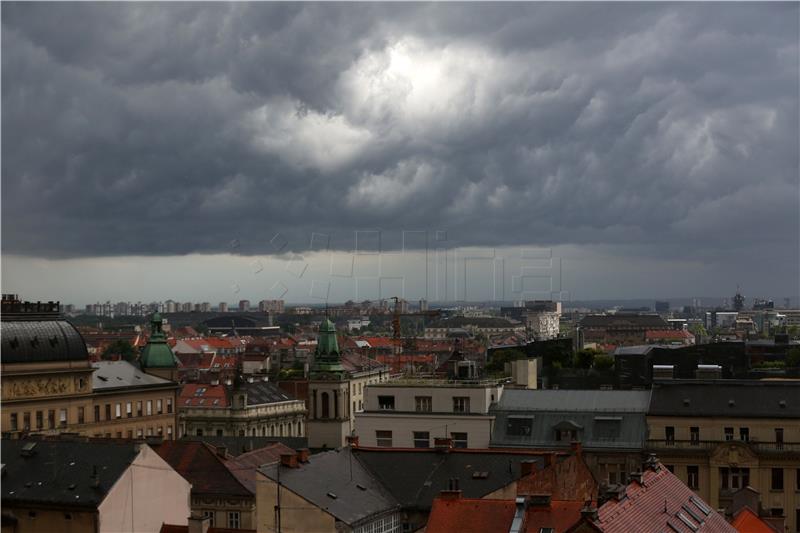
[
  {"x": 327, "y": 356},
  {"x": 157, "y": 353}
]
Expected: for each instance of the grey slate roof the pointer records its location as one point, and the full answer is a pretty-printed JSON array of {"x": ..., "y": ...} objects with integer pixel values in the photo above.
[
  {"x": 337, "y": 473},
  {"x": 59, "y": 472},
  {"x": 416, "y": 477},
  {"x": 112, "y": 375},
  {"x": 261, "y": 392},
  {"x": 574, "y": 400},
  {"x": 727, "y": 398},
  {"x": 41, "y": 340},
  {"x": 610, "y": 420}
]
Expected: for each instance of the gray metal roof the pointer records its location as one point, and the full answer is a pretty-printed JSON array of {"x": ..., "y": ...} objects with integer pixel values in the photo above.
[
  {"x": 602, "y": 419},
  {"x": 119, "y": 374},
  {"x": 574, "y": 400},
  {"x": 358, "y": 495},
  {"x": 263, "y": 392},
  {"x": 26, "y": 341},
  {"x": 727, "y": 398},
  {"x": 60, "y": 472}
]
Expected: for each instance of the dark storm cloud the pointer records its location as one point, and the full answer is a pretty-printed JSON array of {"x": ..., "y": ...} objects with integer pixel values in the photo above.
[{"x": 165, "y": 129}]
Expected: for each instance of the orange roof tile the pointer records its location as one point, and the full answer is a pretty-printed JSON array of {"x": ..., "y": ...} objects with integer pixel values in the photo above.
[
  {"x": 746, "y": 521},
  {"x": 467, "y": 515}
]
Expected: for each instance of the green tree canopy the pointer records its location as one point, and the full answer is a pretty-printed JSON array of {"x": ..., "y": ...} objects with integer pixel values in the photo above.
[{"x": 120, "y": 348}]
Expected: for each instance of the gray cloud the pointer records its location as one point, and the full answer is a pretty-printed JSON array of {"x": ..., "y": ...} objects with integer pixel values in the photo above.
[{"x": 163, "y": 129}]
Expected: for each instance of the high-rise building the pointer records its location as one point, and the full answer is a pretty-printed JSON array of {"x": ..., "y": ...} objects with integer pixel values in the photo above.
[
  {"x": 223, "y": 307},
  {"x": 423, "y": 305},
  {"x": 662, "y": 307},
  {"x": 244, "y": 305}
]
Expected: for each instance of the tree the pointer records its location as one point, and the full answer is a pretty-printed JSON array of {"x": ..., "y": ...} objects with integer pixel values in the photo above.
[
  {"x": 584, "y": 358},
  {"x": 793, "y": 358},
  {"x": 698, "y": 329},
  {"x": 121, "y": 348},
  {"x": 603, "y": 362}
]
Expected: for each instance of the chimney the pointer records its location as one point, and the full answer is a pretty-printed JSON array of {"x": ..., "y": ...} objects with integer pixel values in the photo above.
[
  {"x": 222, "y": 451},
  {"x": 637, "y": 477},
  {"x": 453, "y": 491},
  {"x": 652, "y": 463},
  {"x": 527, "y": 468},
  {"x": 589, "y": 511},
  {"x": 576, "y": 447},
  {"x": 289, "y": 460},
  {"x": 303, "y": 454},
  {"x": 199, "y": 524},
  {"x": 352, "y": 440},
  {"x": 442, "y": 444},
  {"x": 95, "y": 479}
]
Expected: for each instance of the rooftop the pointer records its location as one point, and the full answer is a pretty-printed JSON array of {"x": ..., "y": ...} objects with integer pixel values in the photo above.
[
  {"x": 531, "y": 400},
  {"x": 726, "y": 398},
  {"x": 45, "y": 340},
  {"x": 111, "y": 375},
  {"x": 200, "y": 465}
]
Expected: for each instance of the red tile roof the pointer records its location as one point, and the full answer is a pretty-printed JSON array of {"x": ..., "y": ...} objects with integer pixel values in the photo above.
[
  {"x": 202, "y": 395},
  {"x": 244, "y": 466},
  {"x": 559, "y": 515},
  {"x": 643, "y": 508},
  {"x": 746, "y": 521},
  {"x": 467, "y": 515},
  {"x": 676, "y": 334},
  {"x": 569, "y": 479},
  {"x": 200, "y": 465}
]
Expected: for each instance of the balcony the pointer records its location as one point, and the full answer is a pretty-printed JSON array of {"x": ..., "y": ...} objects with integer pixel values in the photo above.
[{"x": 705, "y": 446}]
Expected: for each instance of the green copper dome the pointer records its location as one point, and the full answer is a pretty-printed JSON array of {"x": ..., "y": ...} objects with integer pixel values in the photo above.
[
  {"x": 326, "y": 357},
  {"x": 157, "y": 353}
]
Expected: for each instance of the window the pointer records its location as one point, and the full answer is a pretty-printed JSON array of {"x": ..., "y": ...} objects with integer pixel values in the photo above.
[
  {"x": 150, "y": 432},
  {"x": 159, "y": 406},
  {"x": 459, "y": 440},
  {"x": 566, "y": 435},
  {"x": 728, "y": 433},
  {"x": 199, "y": 432},
  {"x": 520, "y": 426},
  {"x": 422, "y": 439},
  {"x": 776, "y": 512},
  {"x": 139, "y": 408},
  {"x": 169, "y": 405},
  {"x": 694, "y": 435},
  {"x": 160, "y": 431},
  {"x": 118, "y": 410},
  {"x": 14, "y": 422},
  {"x": 51, "y": 418},
  {"x": 693, "y": 477},
  {"x": 62, "y": 418},
  {"x": 386, "y": 403},
  {"x": 108, "y": 411},
  {"x": 129, "y": 409},
  {"x": 326, "y": 408},
  {"x": 671, "y": 468},
  {"x": 797, "y": 483},
  {"x": 149, "y": 407},
  {"x": 734, "y": 478},
  {"x": 169, "y": 432},
  {"x": 97, "y": 413},
  {"x": 139, "y": 433},
  {"x": 210, "y": 516},
  {"x": 777, "y": 479},
  {"x": 39, "y": 420},
  {"x": 384, "y": 438},
  {"x": 779, "y": 438},
  {"x": 130, "y": 434},
  {"x": 81, "y": 415},
  {"x": 26, "y": 421},
  {"x": 460, "y": 404},
  {"x": 119, "y": 434},
  {"x": 669, "y": 434},
  {"x": 423, "y": 404},
  {"x": 744, "y": 434},
  {"x": 219, "y": 433}
]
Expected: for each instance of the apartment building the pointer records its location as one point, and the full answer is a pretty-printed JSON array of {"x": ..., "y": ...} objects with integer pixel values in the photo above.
[
  {"x": 721, "y": 436},
  {"x": 410, "y": 413}
]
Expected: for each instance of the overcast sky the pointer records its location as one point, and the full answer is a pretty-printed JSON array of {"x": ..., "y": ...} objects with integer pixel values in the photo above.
[{"x": 654, "y": 147}]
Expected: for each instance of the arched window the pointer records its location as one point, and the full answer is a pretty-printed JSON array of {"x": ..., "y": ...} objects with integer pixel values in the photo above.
[
  {"x": 241, "y": 433},
  {"x": 272, "y": 430},
  {"x": 326, "y": 408}
]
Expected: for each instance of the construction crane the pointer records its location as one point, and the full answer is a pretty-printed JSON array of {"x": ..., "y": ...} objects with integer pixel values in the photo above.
[{"x": 397, "y": 314}]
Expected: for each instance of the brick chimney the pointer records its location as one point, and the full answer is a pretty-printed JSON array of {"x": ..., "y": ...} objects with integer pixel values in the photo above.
[
  {"x": 289, "y": 460},
  {"x": 303, "y": 454},
  {"x": 576, "y": 447},
  {"x": 589, "y": 511},
  {"x": 527, "y": 468},
  {"x": 199, "y": 524}
]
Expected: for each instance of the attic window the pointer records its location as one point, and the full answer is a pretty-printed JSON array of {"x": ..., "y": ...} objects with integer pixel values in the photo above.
[
  {"x": 686, "y": 402},
  {"x": 332, "y": 495},
  {"x": 102, "y": 378},
  {"x": 360, "y": 486},
  {"x": 700, "y": 505},
  {"x": 731, "y": 402},
  {"x": 782, "y": 403},
  {"x": 480, "y": 475}
]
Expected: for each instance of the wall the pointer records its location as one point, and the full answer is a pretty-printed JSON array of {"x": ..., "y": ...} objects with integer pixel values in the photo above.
[
  {"x": 147, "y": 495},
  {"x": 297, "y": 514},
  {"x": 50, "y": 520},
  {"x": 402, "y": 426}
]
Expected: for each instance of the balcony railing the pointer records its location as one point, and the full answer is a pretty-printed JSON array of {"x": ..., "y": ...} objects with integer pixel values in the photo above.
[{"x": 706, "y": 445}]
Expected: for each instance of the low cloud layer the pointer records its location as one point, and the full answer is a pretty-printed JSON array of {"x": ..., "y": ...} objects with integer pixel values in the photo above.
[{"x": 163, "y": 129}]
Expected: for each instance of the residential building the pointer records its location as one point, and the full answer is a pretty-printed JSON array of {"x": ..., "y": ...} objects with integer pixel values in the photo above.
[
  {"x": 50, "y": 387},
  {"x": 719, "y": 436},
  {"x": 610, "y": 425},
  {"x": 217, "y": 493},
  {"x": 654, "y": 500},
  {"x": 445, "y": 328},
  {"x": 244, "y": 306},
  {"x": 328, "y": 492},
  {"x": 621, "y": 329},
  {"x": 271, "y": 306},
  {"x": 541, "y": 318},
  {"x": 246, "y": 407},
  {"x": 86, "y": 486},
  {"x": 409, "y": 413}
]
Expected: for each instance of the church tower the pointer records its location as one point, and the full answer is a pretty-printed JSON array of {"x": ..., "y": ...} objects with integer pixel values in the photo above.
[
  {"x": 328, "y": 393},
  {"x": 157, "y": 357}
]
